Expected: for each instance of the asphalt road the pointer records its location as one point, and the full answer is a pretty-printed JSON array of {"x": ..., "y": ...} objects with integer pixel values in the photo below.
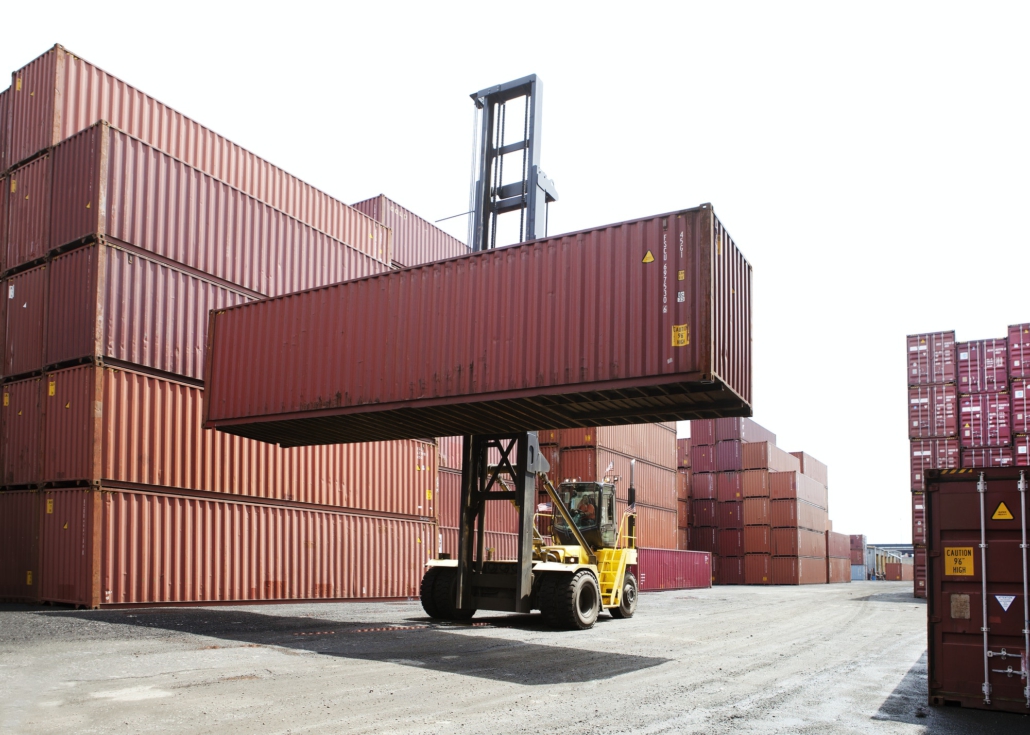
[{"x": 820, "y": 659}]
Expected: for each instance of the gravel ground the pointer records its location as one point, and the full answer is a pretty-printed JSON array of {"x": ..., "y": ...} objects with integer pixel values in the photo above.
[{"x": 821, "y": 659}]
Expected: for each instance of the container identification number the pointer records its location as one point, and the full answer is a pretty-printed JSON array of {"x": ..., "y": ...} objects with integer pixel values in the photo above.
[{"x": 958, "y": 561}]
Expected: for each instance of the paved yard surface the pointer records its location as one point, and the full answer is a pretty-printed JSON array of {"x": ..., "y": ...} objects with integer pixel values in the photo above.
[{"x": 826, "y": 659}]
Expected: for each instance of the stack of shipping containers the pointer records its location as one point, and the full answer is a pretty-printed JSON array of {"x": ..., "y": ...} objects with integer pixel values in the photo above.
[
  {"x": 683, "y": 494},
  {"x": 858, "y": 553}
]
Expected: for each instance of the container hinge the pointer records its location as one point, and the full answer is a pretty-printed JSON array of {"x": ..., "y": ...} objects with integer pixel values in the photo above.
[
  {"x": 1004, "y": 654},
  {"x": 1010, "y": 673}
]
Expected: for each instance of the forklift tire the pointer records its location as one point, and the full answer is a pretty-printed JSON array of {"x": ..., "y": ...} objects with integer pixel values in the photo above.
[
  {"x": 425, "y": 591},
  {"x": 628, "y": 599},
  {"x": 576, "y": 602},
  {"x": 438, "y": 592},
  {"x": 547, "y": 594}
]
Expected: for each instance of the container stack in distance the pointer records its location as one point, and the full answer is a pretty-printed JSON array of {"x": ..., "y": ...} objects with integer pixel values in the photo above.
[
  {"x": 859, "y": 548},
  {"x": 761, "y": 511},
  {"x": 116, "y": 239}
]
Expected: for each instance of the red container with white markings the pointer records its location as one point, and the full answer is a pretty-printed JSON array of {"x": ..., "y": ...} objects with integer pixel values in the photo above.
[
  {"x": 985, "y": 419},
  {"x": 931, "y": 358},
  {"x": 1019, "y": 351},
  {"x": 933, "y": 412},
  {"x": 983, "y": 365},
  {"x": 932, "y": 454}
]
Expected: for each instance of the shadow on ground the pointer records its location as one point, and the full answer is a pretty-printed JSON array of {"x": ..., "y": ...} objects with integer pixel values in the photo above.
[
  {"x": 418, "y": 642},
  {"x": 898, "y": 596},
  {"x": 907, "y": 704}
]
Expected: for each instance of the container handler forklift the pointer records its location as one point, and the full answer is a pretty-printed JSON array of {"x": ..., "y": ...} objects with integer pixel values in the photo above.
[{"x": 569, "y": 582}]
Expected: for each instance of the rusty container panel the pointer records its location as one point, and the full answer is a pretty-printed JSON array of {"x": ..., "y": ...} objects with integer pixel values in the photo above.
[
  {"x": 755, "y": 483},
  {"x": 415, "y": 240},
  {"x": 702, "y": 458},
  {"x": 729, "y": 456},
  {"x": 758, "y": 569},
  {"x": 798, "y": 542},
  {"x": 932, "y": 454},
  {"x": 933, "y": 412},
  {"x": 794, "y": 570},
  {"x": 498, "y": 546},
  {"x": 69, "y": 552},
  {"x": 728, "y": 569},
  {"x": 919, "y": 573},
  {"x": 665, "y": 569},
  {"x": 797, "y": 514},
  {"x": 683, "y": 485},
  {"x": 858, "y": 542},
  {"x": 59, "y": 95},
  {"x": 838, "y": 571},
  {"x": 24, "y": 321},
  {"x": 988, "y": 457},
  {"x": 766, "y": 456},
  {"x": 731, "y": 515},
  {"x": 857, "y": 557},
  {"x": 702, "y": 432},
  {"x": 654, "y": 443},
  {"x": 656, "y": 527},
  {"x": 28, "y": 212},
  {"x": 918, "y": 519},
  {"x": 895, "y": 572},
  {"x": 1020, "y": 407},
  {"x": 368, "y": 394},
  {"x": 19, "y": 545},
  {"x": 742, "y": 429},
  {"x": 683, "y": 514},
  {"x": 21, "y": 428},
  {"x": 547, "y": 437},
  {"x": 931, "y": 358},
  {"x": 729, "y": 486},
  {"x": 838, "y": 546},
  {"x": 448, "y": 450},
  {"x": 813, "y": 468},
  {"x": 106, "y": 302},
  {"x": 983, "y": 366},
  {"x": 656, "y": 486},
  {"x": 704, "y": 538},
  {"x": 795, "y": 486},
  {"x": 5, "y": 186},
  {"x": 731, "y": 542},
  {"x": 703, "y": 487},
  {"x": 704, "y": 513},
  {"x": 1019, "y": 351},
  {"x": 756, "y": 512},
  {"x": 683, "y": 539},
  {"x": 683, "y": 453},
  {"x": 757, "y": 539},
  {"x": 986, "y": 420}
]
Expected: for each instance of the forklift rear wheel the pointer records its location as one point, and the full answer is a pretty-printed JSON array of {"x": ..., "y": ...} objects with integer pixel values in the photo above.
[
  {"x": 628, "y": 599},
  {"x": 576, "y": 602},
  {"x": 438, "y": 593}
]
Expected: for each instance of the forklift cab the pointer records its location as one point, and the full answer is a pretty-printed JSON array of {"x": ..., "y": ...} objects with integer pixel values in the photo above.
[{"x": 592, "y": 506}]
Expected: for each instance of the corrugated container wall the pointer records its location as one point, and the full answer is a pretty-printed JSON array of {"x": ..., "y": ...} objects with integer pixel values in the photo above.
[
  {"x": 933, "y": 412},
  {"x": 931, "y": 358},
  {"x": 28, "y": 212},
  {"x": 20, "y": 454},
  {"x": 652, "y": 442},
  {"x": 655, "y": 486},
  {"x": 1019, "y": 350},
  {"x": 983, "y": 365},
  {"x": 589, "y": 281},
  {"x": 59, "y": 95},
  {"x": 24, "y": 320},
  {"x": 5, "y": 99},
  {"x": 19, "y": 545},
  {"x": 415, "y": 240},
  {"x": 664, "y": 569}
]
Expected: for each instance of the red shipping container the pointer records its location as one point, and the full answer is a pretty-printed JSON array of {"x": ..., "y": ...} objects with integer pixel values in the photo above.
[
  {"x": 28, "y": 212},
  {"x": 1019, "y": 351},
  {"x": 795, "y": 486},
  {"x": 988, "y": 457},
  {"x": 766, "y": 456},
  {"x": 933, "y": 412},
  {"x": 757, "y": 569},
  {"x": 703, "y": 486},
  {"x": 756, "y": 483},
  {"x": 683, "y": 486},
  {"x": 662, "y": 569},
  {"x": 813, "y": 468},
  {"x": 704, "y": 513},
  {"x": 757, "y": 539},
  {"x": 431, "y": 319},
  {"x": 498, "y": 546},
  {"x": 838, "y": 546},
  {"x": 656, "y": 527},
  {"x": 415, "y": 240},
  {"x": 683, "y": 453},
  {"x": 655, "y": 486},
  {"x": 19, "y": 545},
  {"x": 499, "y": 517},
  {"x": 798, "y": 542},
  {"x": 729, "y": 456},
  {"x": 729, "y": 486},
  {"x": 449, "y": 448},
  {"x": 683, "y": 514},
  {"x": 702, "y": 458},
  {"x": 986, "y": 420},
  {"x": 547, "y": 437},
  {"x": 683, "y": 539},
  {"x": 728, "y": 569},
  {"x": 4, "y": 188},
  {"x": 857, "y": 557},
  {"x": 25, "y": 294},
  {"x": 898, "y": 572},
  {"x": 756, "y": 512},
  {"x": 798, "y": 570},
  {"x": 1020, "y": 407},
  {"x": 919, "y": 573},
  {"x": 731, "y": 515},
  {"x": 742, "y": 429},
  {"x": 654, "y": 443},
  {"x": 838, "y": 571},
  {"x": 702, "y": 432},
  {"x": 797, "y": 513},
  {"x": 731, "y": 542},
  {"x": 918, "y": 519},
  {"x": 1021, "y": 451},
  {"x": 59, "y": 94},
  {"x": 931, "y": 358},
  {"x": 983, "y": 365},
  {"x": 932, "y": 454},
  {"x": 5, "y": 98},
  {"x": 858, "y": 541},
  {"x": 703, "y": 539},
  {"x": 20, "y": 453}
]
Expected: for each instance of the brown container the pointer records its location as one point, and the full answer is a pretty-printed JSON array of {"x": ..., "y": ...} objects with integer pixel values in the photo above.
[
  {"x": 813, "y": 468},
  {"x": 918, "y": 519},
  {"x": 931, "y": 358},
  {"x": 703, "y": 539},
  {"x": 857, "y": 557},
  {"x": 702, "y": 458},
  {"x": 857, "y": 541},
  {"x": 798, "y": 542},
  {"x": 795, "y": 486},
  {"x": 415, "y": 240},
  {"x": 766, "y": 456},
  {"x": 702, "y": 432},
  {"x": 731, "y": 542},
  {"x": 19, "y": 546},
  {"x": 683, "y": 539},
  {"x": 462, "y": 383},
  {"x": 498, "y": 546},
  {"x": 758, "y": 569},
  {"x": 898, "y": 572},
  {"x": 656, "y": 486},
  {"x": 683, "y": 453},
  {"x": 731, "y": 515},
  {"x": 756, "y": 512},
  {"x": 25, "y": 296},
  {"x": 838, "y": 571},
  {"x": 683, "y": 514},
  {"x": 58, "y": 95},
  {"x": 755, "y": 483},
  {"x": 757, "y": 539},
  {"x": 729, "y": 486},
  {"x": 704, "y": 513},
  {"x": 798, "y": 570},
  {"x": 742, "y": 429},
  {"x": 703, "y": 486},
  {"x": 548, "y": 437},
  {"x": 932, "y": 454},
  {"x": 728, "y": 569},
  {"x": 654, "y": 443},
  {"x": 28, "y": 212},
  {"x": 656, "y": 527},
  {"x": 20, "y": 453},
  {"x": 4, "y": 189},
  {"x": 838, "y": 546},
  {"x": 5, "y": 98},
  {"x": 729, "y": 456},
  {"x": 797, "y": 514},
  {"x": 933, "y": 412},
  {"x": 682, "y": 485}
]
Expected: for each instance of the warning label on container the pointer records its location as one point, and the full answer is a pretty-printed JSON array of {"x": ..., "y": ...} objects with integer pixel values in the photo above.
[
  {"x": 958, "y": 561},
  {"x": 680, "y": 335},
  {"x": 648, "y": 258},
  {"x": 1005, "y": 601},
  {"x": 1002, "y": 513}
]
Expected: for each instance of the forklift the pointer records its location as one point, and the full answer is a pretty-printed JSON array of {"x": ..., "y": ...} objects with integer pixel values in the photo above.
[{"x": 570, "y": 581}]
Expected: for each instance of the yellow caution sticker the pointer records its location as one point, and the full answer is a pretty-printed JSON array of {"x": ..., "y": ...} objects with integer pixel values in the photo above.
[
  {"x": 49, "y": 505},
  {"x": 958, "y": 561},
  {"x": 28, "y": 578},
  {"x": 648, "y": 258},
  {"x": 680, "y": 335},
  {"x": 7, "y": 399},
  {"x": 51, "y": 388},
  {"x": 17, "y": 84},
  {"x": 429, "y": 494},
  {"x": 1002, "y": 513},
  {"x": 14, "y": 186},
  {"x": 681, "y": 275}
]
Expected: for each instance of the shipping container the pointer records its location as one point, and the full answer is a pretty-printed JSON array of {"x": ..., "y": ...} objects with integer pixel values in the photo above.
[
  {"x": 683, "y": 514},
  {"x": 766, "y": 456},
  {"x": 728, "y": 569},
  {"x": 682, "y": 485},
  {"x": 755, "y": 483},
  {"x": 683, "y": 539},
  {"x": 838, "y": 571},
  {"x": 919, "y": 573},
  {"x": 702, "y": 458},
  {"x": 756, "y": 512},
  {"x": 1020, "y": 398},
  {"x": 498, "y": 517},
  {"x": 654, "y": 443},
  {"x": 988, "y": 457},
  {"x": 742, "y": 429},
  {"x": 729, "y": 486},
  {"x": 931, "y": 358},
  {"x": 731, "y": 515},
  {"x": 498, "y": 546},
  {"x": 798, "y": 542},
  {"x": 703, "y": 486},
  {"x": 4, "y": 188},
  {"x": 702, "y": 433},
  {"x": 898, "y": 572},
  {"x": 932, "y": 454},
  {"x": 797, "y": 514},
  {"x": 986, "y": 420},
  {"x": 20, "y": 453},
  {"x": 656, "y": 527},
  {"x": 838, "y": 545},
  {"x": 655, "y": 486},
  {"x": 58, "y": 95},
  {"x": 983, "y": 366},
  {"x": 694, "y": 353},
  {"x": 857, "y": 541},
  {"x": 415, "y": 240},
  {"x": 704, "y": 513},
  {"x": 757, "y": 539},
  {"x": 757, "y": 569},
  {"x": 858, "y": 573},
  {"x": 976, "y": 589},
  {"x": 24, "y": 317},
  {"x": 798, "y": 570},
  {"x": 812, "y": 467},
  {"x": 918, "y": 519},
  {"x": 19, "y": 546},
  {"x": 857, "y": 556},
  {"x": 1019, "y": 351},
  {"x": 5, "y": 98},
  {"x": 664, "y": 569},
  {"x": 683, "y": 453},
  {"x": 1021, "y": 450},
  {"x": 933, "y": 412},
  {"x": 729, "y": 456},
  {"x": 703, "y": 539},
  {"x": 731, "y": 542},
  {"x": 449, "y": 449},
  {"x": 28, "y": 212},
  {"x": 795, "y": 486}
]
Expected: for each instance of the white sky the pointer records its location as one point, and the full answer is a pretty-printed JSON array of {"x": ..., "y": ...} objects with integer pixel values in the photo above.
[{"x": 869, "y": 159}]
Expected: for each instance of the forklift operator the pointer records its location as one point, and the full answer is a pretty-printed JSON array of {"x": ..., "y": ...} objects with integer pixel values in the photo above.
[{"x": 586, "y": 512}]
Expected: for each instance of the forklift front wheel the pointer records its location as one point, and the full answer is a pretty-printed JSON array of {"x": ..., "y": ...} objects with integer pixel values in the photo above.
[{"x": 438, "y": 593}]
